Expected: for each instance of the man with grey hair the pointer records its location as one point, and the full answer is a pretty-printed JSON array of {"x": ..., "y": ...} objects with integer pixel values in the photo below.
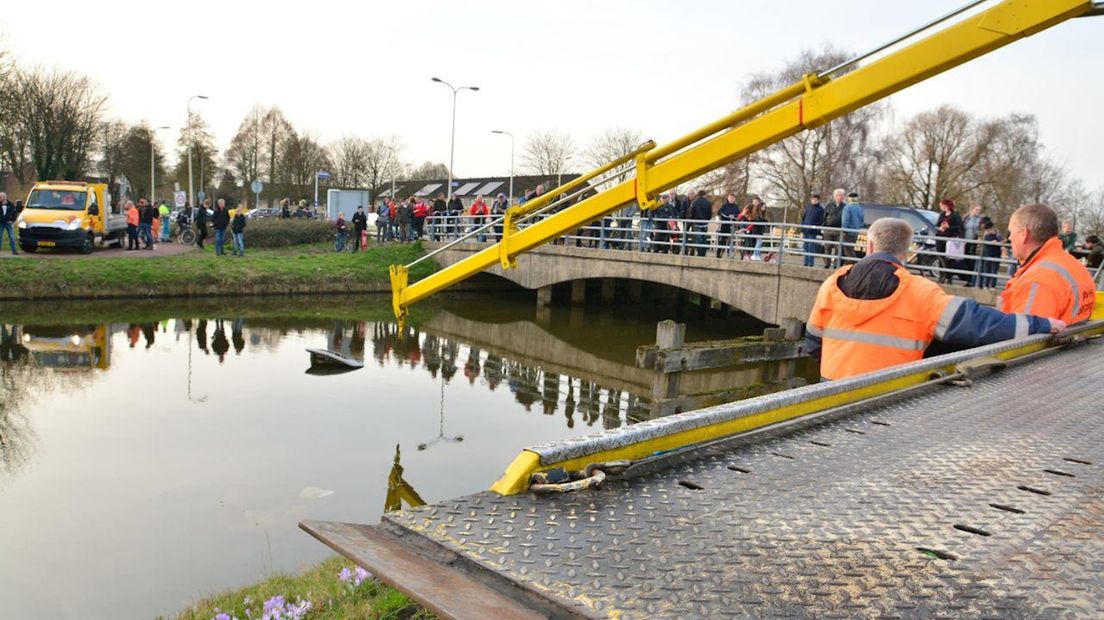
[
  {"x": 875, "y": 314},
  {"x": 833, "y": 219}
]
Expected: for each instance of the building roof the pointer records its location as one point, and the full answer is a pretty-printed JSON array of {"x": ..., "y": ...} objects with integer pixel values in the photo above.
[{"x": 467, "y": 189}]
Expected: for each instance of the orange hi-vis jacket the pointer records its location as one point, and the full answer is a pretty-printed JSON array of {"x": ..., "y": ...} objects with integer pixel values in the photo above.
[
  {"x": 1052, "y": 284},
  {"x": 132, "y": 216},
  {"x": 864, "y": 335}
]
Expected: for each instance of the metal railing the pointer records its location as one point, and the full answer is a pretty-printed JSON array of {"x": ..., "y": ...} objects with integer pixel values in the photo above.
[{"x": 987, "y": 264}]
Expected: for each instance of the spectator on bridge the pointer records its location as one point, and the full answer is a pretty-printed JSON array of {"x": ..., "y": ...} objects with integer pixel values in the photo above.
[
  {"x": 1050, "y": 282},
  {"x": 949, "y": 229},
  {"x": 990, "y": 254},
  {"x": 646, "y": 238},
  {"x": 7, "y": 221},
  {"x": 455, "y": 208},
  {"x": 833, "y": 221},
  {"x": 420, "y": 213},
  {"x": 759, "y": 227},
  {"x": 701, "y": 211},
  {"x": 972, "y": 231},
  {"x": 437, "y": 225},
  {"x": 812, "y": 218},
  {"x": 729, "y": 213},
  {"x": 1068, "y": 237},
  {"x": 743, "y": 230},
  {"x": 498, "y": 210},
  {"x": 665, "y": 223},
  {"x": 405, "y": 216},
  {"x": 852, "y": 225},
  {"x": 360, "y": 228},
  {"x": 874, "y": 314},
  {"x": 1094, "y": 252},
  {"x": 479, "y": 212},
  {"x": 219, "y": 221}
]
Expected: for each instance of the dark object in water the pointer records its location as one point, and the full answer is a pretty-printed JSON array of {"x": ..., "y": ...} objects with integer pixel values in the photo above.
[{"x": 322, "y": 360}]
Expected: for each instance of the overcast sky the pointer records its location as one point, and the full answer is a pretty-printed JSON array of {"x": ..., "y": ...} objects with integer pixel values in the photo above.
[{"x": 664, "y": 68}]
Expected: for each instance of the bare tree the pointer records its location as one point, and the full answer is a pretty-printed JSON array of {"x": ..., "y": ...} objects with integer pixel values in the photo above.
[
  {"x": 610, "y": 145},
  {"x": 832, "y": 155},
  {"x": 245, "y": 154},
  {"x": 428, "y": 171},
  {"x": 548, "y": 153},
  {"x": 54, "y": 119},
  {"x": 204, "y": 165},
  {"x": 113, "y": 135},
  {"x": 276, "y": 132},
  {"x": 348, "y": 157},
  {"x": 302, "y": 157},
  {"x": 1089, "y": 216}
]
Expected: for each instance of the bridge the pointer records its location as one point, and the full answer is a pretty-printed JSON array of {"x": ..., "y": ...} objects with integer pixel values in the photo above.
[{"x": 769, "y": 292}]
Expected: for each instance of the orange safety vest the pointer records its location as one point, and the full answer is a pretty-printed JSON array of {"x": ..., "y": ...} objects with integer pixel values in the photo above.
[
  {"x": 1051, "y": 284},
  {"x": 864, "y": 335}
]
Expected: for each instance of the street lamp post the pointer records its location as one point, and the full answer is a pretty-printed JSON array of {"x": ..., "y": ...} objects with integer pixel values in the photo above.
[
  {"x": 191, "y": 195},
  {"x": 506, "y": 133},
  {"x": 153, "y": 163},
  {"x": 452, "y": 142}
]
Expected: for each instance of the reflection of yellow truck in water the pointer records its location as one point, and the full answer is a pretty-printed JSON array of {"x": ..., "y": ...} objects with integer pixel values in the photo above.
[
  {"x": 70, "y": 214},
  {"x": 69, "y": 347}
]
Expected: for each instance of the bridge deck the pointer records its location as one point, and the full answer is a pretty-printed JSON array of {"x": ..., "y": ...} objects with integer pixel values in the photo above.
[{"x": 981, "y": 501}]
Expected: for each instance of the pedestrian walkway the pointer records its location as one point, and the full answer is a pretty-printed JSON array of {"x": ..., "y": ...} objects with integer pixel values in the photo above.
[{"x": 163, "y": 249}]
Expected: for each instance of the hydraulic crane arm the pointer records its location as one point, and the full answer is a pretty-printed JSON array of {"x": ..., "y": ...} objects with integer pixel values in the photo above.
[{"x": 810, "y": 103}]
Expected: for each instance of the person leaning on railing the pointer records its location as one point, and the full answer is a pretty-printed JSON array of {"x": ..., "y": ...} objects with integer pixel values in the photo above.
[
  {"x": 875, "y": 314},
  {"x": 1050, "y": 282}
]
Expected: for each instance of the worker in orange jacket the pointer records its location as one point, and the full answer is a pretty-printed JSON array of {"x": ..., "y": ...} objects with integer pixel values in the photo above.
[
  {"x": 132, "y": 220},
  {"x": 1050, "y": 282},
  {"x": 875, "y": 314}
]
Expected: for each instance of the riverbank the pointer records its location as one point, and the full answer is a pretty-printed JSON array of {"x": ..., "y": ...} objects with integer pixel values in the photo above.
[
  {"x": 303, "y": 269},
  {"x": 332, "y": 590}
]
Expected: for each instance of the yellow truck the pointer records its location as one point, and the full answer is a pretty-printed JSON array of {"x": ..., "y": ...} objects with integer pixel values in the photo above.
[{"x": 60, "y": 214}]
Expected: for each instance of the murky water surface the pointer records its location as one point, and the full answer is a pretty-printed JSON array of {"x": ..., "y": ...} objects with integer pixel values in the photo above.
[{"x": 153, "y": 454}]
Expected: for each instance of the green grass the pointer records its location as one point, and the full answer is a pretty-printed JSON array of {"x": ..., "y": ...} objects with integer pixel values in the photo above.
[
  {"x": 330, "y": 598},
  {"x": 302, "y": 269}
]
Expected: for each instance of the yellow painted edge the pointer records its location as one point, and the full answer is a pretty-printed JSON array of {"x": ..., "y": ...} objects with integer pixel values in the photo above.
[{"x": 516, "y": 478}]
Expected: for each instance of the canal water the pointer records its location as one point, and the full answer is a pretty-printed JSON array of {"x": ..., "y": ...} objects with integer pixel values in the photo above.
[{"x": 154, "y": 453}]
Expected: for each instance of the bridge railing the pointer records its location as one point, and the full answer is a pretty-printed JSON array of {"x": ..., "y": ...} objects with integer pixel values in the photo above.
[{"x": 948, "y": 259}]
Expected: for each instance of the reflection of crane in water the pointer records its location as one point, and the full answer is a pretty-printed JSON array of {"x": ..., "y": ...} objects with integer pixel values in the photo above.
[
  {"x": 399, "y": 490},
  {"x": 441, "y": 428}
]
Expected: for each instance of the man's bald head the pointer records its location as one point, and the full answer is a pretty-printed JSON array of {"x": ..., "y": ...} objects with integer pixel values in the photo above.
[{"x": 891, "y": 236}]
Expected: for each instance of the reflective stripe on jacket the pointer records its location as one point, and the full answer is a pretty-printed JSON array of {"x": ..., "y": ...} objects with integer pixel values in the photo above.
[
  {"x": 1052, "y": 284},
  {"x": 856, "y": 336}
]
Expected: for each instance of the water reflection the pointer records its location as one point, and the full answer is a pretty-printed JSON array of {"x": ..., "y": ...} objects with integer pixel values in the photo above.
[{"x": 194, "y": 439}]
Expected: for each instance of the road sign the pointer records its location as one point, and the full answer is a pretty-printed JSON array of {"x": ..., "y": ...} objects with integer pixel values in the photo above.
[
  {"x": 179, "y": 199},
  {"x": 322, "y": 174},
  {"x": 201, "y": 196},
  {"x": 257, "y": 187}
]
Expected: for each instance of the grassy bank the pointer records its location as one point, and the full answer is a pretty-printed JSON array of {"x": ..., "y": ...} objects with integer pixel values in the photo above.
[
  {"x": 332, "y": 590},
  {"x": 306, "y": 269}
]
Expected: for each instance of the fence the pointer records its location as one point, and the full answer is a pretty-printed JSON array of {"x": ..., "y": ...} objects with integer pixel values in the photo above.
[{"x": 944, "y": 258}]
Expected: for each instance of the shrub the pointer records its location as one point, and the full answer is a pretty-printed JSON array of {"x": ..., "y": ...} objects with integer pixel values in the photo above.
[{"x": 277, "y": 233}]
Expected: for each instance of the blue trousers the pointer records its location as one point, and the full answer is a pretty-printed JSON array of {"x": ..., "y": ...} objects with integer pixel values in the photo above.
[
  {"x": 220, "y": 240},
  {"x": 7, "y": 227},
  {"x": 145, "y": 233},
  {"x": 237, "y": 243}
]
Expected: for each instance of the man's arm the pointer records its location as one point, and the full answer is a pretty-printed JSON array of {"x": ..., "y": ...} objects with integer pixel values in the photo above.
[{"x": 966, "y": 322}]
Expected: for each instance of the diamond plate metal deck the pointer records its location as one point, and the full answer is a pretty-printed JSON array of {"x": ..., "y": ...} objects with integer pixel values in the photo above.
[{"x": 985, "y": 501}]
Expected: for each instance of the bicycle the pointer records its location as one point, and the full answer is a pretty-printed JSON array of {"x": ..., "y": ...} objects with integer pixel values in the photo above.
[
  {"x": 346, "y": 245},
  {"x": 187, "y": 236}
]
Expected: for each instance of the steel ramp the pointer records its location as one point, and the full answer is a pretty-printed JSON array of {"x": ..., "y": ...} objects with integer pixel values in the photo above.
[{"x": 981, "y": 501}]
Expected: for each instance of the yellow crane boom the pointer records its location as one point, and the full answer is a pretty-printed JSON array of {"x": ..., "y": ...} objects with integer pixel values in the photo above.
[{"x": 817, "y": 99}]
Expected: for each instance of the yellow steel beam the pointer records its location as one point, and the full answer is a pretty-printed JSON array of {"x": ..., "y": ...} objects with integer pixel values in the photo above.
[{"x": 810, "y": 103}]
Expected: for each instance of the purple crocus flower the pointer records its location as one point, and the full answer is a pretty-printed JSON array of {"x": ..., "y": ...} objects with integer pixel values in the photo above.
[
  {"x": 345, "y": 575},
  {"x": 361, "y": 575}
]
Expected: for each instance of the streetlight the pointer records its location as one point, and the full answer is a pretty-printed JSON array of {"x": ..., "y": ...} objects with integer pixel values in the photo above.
[
  {"x": 452, "y": 143},
  {"x": 391, "y": 149},
  {"x": 153, "y": 161},
  {"x": 506, "y": 133},
  {"x": 191, "y": 195}
]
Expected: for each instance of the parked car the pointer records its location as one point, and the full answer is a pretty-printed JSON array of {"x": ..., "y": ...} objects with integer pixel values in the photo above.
[{"x": 923, "y": 224}]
